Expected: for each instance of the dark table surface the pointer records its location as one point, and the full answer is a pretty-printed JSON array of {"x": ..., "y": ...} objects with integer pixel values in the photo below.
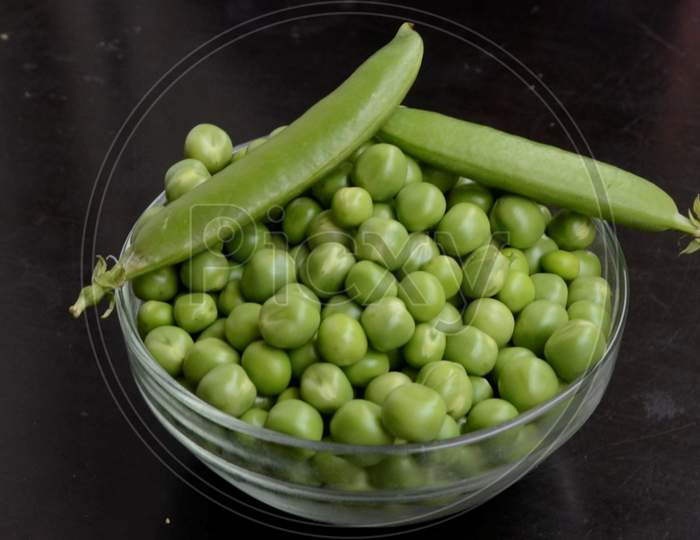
[{"x": 75, "y": 461}]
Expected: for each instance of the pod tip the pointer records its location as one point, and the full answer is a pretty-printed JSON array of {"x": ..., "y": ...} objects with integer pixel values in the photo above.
[
  {"x": 103, "y": 284},
  {"x": 692, "y": 247},
  {"x": 693, "y": 221},
  {"x": 406, "y": 27}
]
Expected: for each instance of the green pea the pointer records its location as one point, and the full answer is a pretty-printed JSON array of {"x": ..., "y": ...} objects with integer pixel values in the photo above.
[
  {"x": 418, "y": 251},
  {"x": 298, "y": 215},
  {"x": 387, "y": 324},
  {"x": 492, "y": 317},
  {"x": 381, "y": 170},
  {"x": 546, "y": 213},
  {"x": 490, "y": 413},
  {"x": 296, "y": 418},
  {"x": 571, "y": 231},
  {"x": 291, "y": 392},
  {"x": 518, "y": 221},
  {"x": 287, "y": 322},
  {"x": 413, "y": 412},
  {"x": 588, "y": 311},
  {"x": 508, "y": 355},
  {"x": 268, "y": 270},
  {"x": 341, "y": 340},
  {"x": 448, "y": 321},
  {"x": 382, "y": 241},
  {"x": 517, "y": 291},
  {"x": 204, "y": 356},
  {"x": 161, "y": 284},
  {"x": 230, "y": 298},
  {"x": 351, "y": 206},
  {"x": 463, "y": 461},
  {"x": 359, "y": 422},
  {"x": 299, "y": 254},
  {"x": 473, "y": 348},
  {"x": 264, "y": 402},
  {"x": 336, "y": 472},
  {"x": 485, "y": 272},
  {"x": 420, "y": 206},
  {"x": 383, "y": 210},
  {"x": 194, "y": 311},
  {"x": 247, "y": 241},
  {"x": 324, "y": 189},
  {"x": 441, "y": 179},
  {"x": 422, "y": 294},
  {"x": 426, "y": 345},
  {"x": 397, "y": 472},
  {"x": 341, "y": 304},
  {"x": 296, "y": 468},
  {"x": 449, "y": 429},
  {"x": 574, "y": 347},
  {"x": 536, "y": 323},
  {"x": 527, "y": 439},
  {"x": 535, "y": 253},
  {"x": 472, "y": 193},
  {"x": 242, "y": 326},
  {"x": 481, "y": 389},
  {"x": 184, "y": 176},
  {"x": 323, "y": 229},
  {"x": 302, "y": 357},
  {"x": 153, "y": 314},
  {"x": 228, "y": 388},
  {"x": 371, "y": 366},
  {"x": 325, "y": 386},
  {"x": 527, "y": 383},
  {"x": 168, "y": 345},
  {"x": 357, "y": 153},
  {"x": 561, "y": 263},
  {"x": 235, "y": 271},
  {"x": 209, "y": 144},
  {"x": 413, "y": 172},
  {"x": 589, "y": 263},
  {"x": 450, "y": 380},
  {"x": 268, "y": 367},
  {"x": 550, "y": 287},
  {"x": 463, "y": 228},
  {"x": 368, "y": 282},
  {"x": 217, "y": 329},
  {"x": 380, "y": 387},
  {"x": 447, "y": 271},
  {"x": 255, "y": 417},
  {"x": 518, "y": 261},
  {"x": 292, "y": 291},
  {"x": 594, "y": 289}
]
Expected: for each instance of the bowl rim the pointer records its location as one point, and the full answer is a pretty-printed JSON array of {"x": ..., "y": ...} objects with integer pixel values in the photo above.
[{"x": 620, "y": 307}]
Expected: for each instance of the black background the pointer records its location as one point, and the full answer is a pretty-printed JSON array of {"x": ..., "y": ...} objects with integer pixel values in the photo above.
[{"x": 72, "y": 466}]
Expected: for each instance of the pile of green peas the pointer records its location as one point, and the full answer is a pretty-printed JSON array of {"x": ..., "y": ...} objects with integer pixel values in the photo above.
[{"x": 391, "y": 303}]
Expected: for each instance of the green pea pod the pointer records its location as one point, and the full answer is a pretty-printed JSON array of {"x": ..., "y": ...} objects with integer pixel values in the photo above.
[
  {"x": 545, "y": 173},
  {"x": 281, "y": 169}
]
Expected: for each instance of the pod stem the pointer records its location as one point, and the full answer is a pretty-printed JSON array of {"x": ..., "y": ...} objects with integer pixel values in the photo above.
[
  {"x": 693, "y": 228},
  {"x": 103, "y": 284}
]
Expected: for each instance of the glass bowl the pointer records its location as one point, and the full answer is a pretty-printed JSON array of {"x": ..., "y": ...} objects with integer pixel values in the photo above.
[{"x": 375, "y": 485}]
